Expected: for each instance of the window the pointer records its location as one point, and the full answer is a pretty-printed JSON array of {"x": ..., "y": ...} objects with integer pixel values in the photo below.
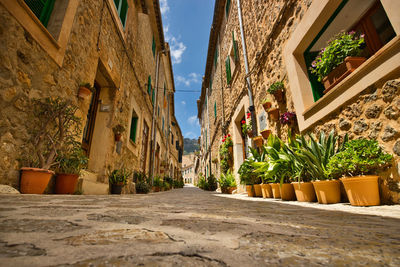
[
  {"x": 232, "y": 59},
  {"x": 368, "y": 18},
  {"x": 228, "y": 70},
  {"x": 42, "y": 9},
  {"x": 215, "y": 110},
  {"x": 134, "y": 120},
  {"x": 153, "y": 47},
  {"x": 163, "y": 124},
  {"x": 149, "y": 85},
  {"x": 122, "y": 8},
  {"x": 227, "y": 7},
  {"x": 216, "y": 56},
  {"x": 172, "y": 138}
]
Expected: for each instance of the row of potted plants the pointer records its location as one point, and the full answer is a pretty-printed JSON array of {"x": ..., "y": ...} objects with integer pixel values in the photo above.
[
  {"x": 307, "y": 168},
  {"x": 208, "y": 184}
]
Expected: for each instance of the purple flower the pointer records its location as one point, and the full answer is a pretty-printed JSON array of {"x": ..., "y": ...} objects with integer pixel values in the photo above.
[
  {"x": 352, "y": 32},
  {"x": 362, "y": 35}
]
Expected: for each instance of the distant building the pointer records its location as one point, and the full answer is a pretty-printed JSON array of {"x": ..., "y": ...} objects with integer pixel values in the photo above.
[{"x": 188, "y": 168}]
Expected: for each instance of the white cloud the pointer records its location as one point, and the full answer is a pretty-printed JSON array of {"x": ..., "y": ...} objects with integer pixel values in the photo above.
[
  {"x": 183, "y": 102},
  {"x": 193, "y": 121},
  {"x": 164, "y": 7},
  {"x": 190, "y": 135},
  {"x": 192, "y": 78}
]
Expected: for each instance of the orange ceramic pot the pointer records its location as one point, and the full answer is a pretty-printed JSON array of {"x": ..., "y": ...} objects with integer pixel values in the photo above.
[
  {"x": 287, "y": 192},
  {"x": 66, "y": 183},
  {"x": 276, "y": 192},
  {"x": 34, "y": 180},
  {"x": 304, "y": 192},
  {"x": 258, "y": 141},
  {"x": 266, "y": 191},
  {"x": 362, "y": 190},
  {"x": 250, "y": 190},
  {"x": 84, "y": 92},
  {"x": 257, "y": 190},
  {"x": 328, "y": 191},
  {"x": 274, "y": 114}
]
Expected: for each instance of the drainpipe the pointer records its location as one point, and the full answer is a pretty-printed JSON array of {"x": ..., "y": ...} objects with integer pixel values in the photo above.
[{"x": 248, "y": 81}]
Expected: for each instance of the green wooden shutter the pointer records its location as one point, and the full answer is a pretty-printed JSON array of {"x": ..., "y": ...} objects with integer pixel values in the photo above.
[
  {"x": 123, "y": 11},
  {"x": 153, "y": 47},
  {"x": 316, "y": 87},
  {"x": 215, "y": 109},
  {"x": 132, "y": 135},
  {"x": 149, "y": 85},
  {"x": 152, "y": 96},
  {"x": 228, "y": 70},
  {"x": 228, "y": 5},
  {"x": 163, "y": 124},
  {"x": 235, "y": 47},
  {"x": 42, "y": 9}
]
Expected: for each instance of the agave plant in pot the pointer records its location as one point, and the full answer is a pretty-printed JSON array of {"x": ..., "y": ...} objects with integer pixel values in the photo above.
[
  {"x": 227, "y": 183},
  {"x": 338, "y": 59},
  {"x": 358, "y": 165},
  {"x": 70, "y": 163},
  {"x": 117, "y": 179},
  {"x": 53, "y": 125}
]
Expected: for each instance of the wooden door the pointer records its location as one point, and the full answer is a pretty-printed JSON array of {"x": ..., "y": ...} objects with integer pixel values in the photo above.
[{"x": 90, "y": 120}]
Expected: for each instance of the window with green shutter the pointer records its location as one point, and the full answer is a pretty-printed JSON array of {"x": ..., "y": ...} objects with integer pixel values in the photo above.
[
  {"x": 228, "y": 70},
  {"x": 163, "y": 124},
  {"x": 227, "y": 7},
  {"x": 153, "y": 47},
  {"x": 235, "y": 47},
  {"x": 42, "y": 9},
  {"x": 134, "y": 121},
  {"x": 152, "y": 96},
  {"x": 215, "y": 109},
  {"x": 122, "y": 8},
  {"x": 149, "y": 85},
  {"x": 165, "y": 89}
]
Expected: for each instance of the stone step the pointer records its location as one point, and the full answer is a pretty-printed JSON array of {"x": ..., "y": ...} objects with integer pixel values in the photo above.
[
  {"x": 89, "y": 176},
  {"x": 89, "y": 185}
]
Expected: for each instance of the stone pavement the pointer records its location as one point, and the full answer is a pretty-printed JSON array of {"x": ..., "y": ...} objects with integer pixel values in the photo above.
[{"x": 188, "y": 227}]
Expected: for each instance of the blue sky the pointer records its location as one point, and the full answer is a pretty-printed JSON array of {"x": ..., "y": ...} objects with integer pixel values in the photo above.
[{"x": 187, "y": 27}]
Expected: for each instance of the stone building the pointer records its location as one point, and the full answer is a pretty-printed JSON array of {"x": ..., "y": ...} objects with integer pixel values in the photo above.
[
  {"x": 279, "y": 38},
  {"x": 117, "y": 46},
  {"x": 188, "y": 168}
]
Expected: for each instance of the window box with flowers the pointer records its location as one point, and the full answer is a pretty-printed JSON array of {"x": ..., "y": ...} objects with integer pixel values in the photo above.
[
  {"x": 247, "y": 128},
  {"x": 340, "y": 58},
  {"x": 288, "y": 118}
]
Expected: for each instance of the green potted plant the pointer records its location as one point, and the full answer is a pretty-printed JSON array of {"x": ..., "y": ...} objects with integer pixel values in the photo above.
[
  {"x": 226, "y": 153},
  {"x": 357, "y": 167},
  {"x": 168, "y": 182},
  {"x": 117, "y": 179},
  {"x": 338, "y": 59},
  {"x": 247, "y": 176},
  {"x": 227, "y": 183},
  {"x": 202, "y": 183},
  {"x": 70, "y": 163},
  {"x": 142, "y": 183},
  {"x": 85, "y": 89},
  {"x": 266, "y": 103},
  {"x": 118, "y": 130},
  {"x": 157, "y": 184},
  {"x": 50, "y": 117},
  {"x": 277, "y": 89}
]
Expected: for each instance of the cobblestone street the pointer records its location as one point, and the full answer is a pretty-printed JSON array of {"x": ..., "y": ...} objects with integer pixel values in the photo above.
[{"x": 188, "y": 227}]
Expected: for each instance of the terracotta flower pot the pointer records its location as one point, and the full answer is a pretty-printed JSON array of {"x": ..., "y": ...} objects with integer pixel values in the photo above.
[
  {"x": 250, "y": 134},
  {"x": 362, "y": 190},
  {"x": 265, "y": 133},
  {"x": 276, "y": 192},
  {"x": 116, "y": 189},
  {"x": 304, "y": 192},
  {"x": 328, "y": 192},
  {"x": 274, "y": 114},
  {"x": 342, "y": 71},
  {"x": 278, "y": 95},
  {"x": 266, "y": 105},
  {"x": 156, "y": 189},
  {"x": 257, "y": 190},
  {"x": 117, "y": 137},
  {"x": 287, "y": 192},
  {"x": 258, "y": 141},
  {"x": 266, "y": 191},
  {"x": 84, "y": 92},
  {"x": 250, "y": 190},
  {"x": 66, "y": 183},
  {"x": 228, "y": 190},
  {"x": 34, "y": 180}
]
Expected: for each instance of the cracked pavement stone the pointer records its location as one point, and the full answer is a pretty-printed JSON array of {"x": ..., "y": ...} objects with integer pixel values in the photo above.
[
  {"x": 37, "y": 225},
  {"x": 17, "y": 250}
]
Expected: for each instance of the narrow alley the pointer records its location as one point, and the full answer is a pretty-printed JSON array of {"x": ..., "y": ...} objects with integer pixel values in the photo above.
[{"x": 188, "y": 227}]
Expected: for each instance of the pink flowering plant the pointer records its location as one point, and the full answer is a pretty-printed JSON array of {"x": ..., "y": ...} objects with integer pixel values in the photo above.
[
  {"x": 287, "y": 117},
  {"x": 341, "y": 46}
]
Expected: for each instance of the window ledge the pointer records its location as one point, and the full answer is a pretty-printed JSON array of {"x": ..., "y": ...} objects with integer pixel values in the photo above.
[
  {"x": 117, "y": 20},
  {"x": 378, "y": 59}
]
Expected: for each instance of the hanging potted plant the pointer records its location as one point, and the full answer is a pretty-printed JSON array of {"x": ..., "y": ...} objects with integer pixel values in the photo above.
[
  {"x": 265, "y": 133},
  {"x": 70, "y": 163},
  {"x": 340, "y": 58},
  {"x": 247, "y": 128},
  {"x": 358, "y": 165},
  {"x": 273, "y": 113},
  {"x": 85, "y": 89},
  {"x": 288, "y": 118},
  {"x": 117, "y": 179},
  {"x": 258, "y": 141},
  {"x": 53, "y": 125},
  {"x": 118, "y": 130},
  {"x": 277, "y": 89},
  {"x": 266, "y": 104}
]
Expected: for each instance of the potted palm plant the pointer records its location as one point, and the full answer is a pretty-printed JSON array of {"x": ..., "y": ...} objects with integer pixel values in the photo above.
[
  {"x": 53, "y": 126},
  {"x": 85, "y": 89},
  {"x": 70, "y": 163},
  {"x": 227, "y": 183},
  {"x": 117, "y": 179},
  {"x": 340, "y": 58},
  {"x": 277, "y": 89},
  {"x": 358, "y": 165}
]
